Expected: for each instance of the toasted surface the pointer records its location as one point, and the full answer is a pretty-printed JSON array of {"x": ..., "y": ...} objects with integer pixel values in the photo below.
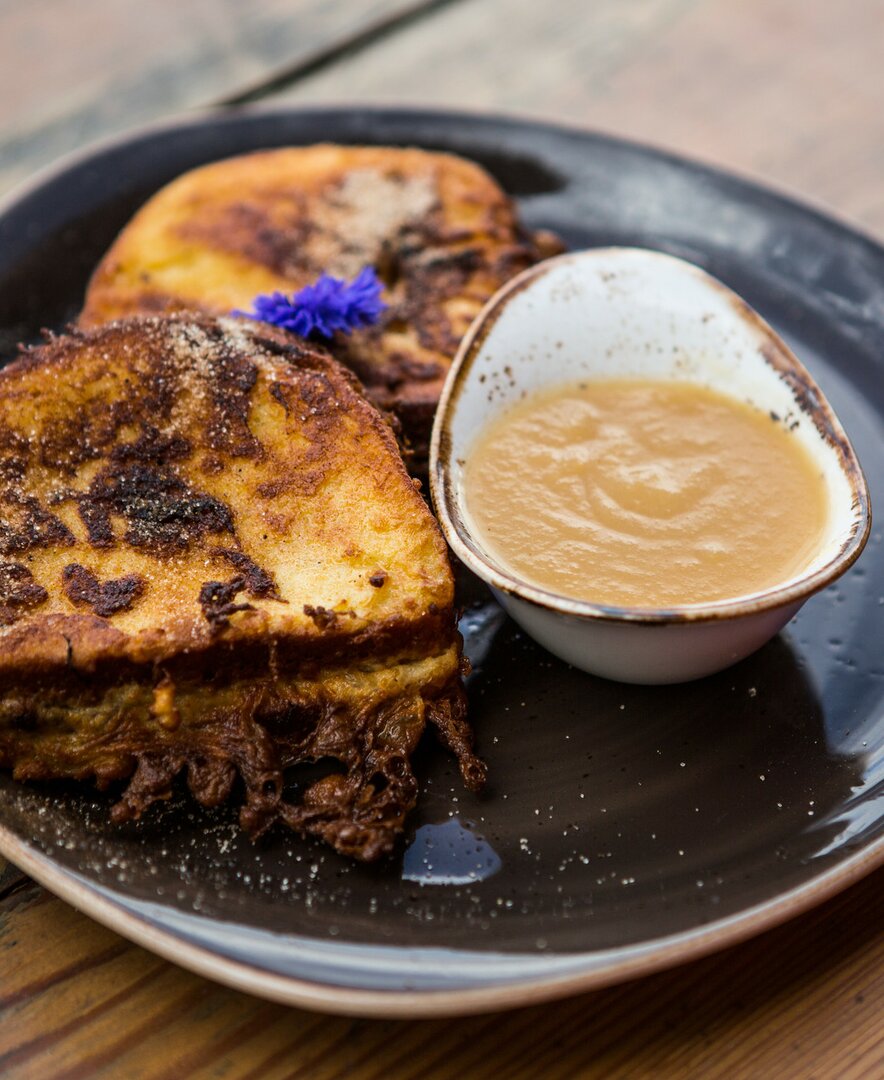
[
  {"x": 441, "y": 233},
  {"x": 213, "y": 559}
]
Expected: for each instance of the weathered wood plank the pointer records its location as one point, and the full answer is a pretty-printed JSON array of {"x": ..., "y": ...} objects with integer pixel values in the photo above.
[
  {"x": 10, "y": 878},
  {"x": 802, "y": 1000},
  {"x": 789, "y": 90},
  {"x": 73, "y": 73}
]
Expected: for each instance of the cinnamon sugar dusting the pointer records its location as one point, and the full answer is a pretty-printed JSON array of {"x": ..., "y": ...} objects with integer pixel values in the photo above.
[{"x": 367, "y": 210}]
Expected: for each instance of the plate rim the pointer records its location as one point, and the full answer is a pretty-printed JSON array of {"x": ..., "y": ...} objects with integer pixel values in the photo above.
[
  {"x": 817, "y": 208},
  {"x": 328, "y": 997},
  {"x": 407, "y": 1004}
]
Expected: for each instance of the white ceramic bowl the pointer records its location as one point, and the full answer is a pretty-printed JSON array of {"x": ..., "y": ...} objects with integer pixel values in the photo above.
[{"x": 628, "y": 312}]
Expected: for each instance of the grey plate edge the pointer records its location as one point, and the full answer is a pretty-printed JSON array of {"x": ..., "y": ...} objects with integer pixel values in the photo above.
[
  {"x": 412, "y": 1004},
  {"x": 199, "y": 115}
]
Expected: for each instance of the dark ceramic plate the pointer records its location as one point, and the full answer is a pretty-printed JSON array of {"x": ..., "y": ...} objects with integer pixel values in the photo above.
[{"x": 625, "y": 828}]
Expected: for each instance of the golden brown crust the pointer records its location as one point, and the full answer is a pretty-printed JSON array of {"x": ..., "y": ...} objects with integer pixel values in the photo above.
[
  {"x": 211, "y": 560},
  {"x": 441, "y": 233},
  {"x": 125, "y": 465}
]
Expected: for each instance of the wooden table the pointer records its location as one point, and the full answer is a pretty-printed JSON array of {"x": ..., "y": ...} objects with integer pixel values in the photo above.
[{"x": 788, "y": 90}]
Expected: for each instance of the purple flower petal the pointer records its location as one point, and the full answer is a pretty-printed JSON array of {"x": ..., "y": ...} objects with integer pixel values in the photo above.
[{"x": 326, "y": 307}]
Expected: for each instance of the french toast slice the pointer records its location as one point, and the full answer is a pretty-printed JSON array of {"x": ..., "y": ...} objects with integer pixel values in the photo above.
[
  {"x": 213, "y": 561},
  {"x": 441, "y": 233}
]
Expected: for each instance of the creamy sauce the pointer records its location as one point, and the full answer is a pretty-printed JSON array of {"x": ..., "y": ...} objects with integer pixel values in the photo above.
[{"x": 642, "y": 493}]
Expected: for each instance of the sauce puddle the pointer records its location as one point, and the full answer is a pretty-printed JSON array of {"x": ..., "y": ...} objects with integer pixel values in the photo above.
[{"x": 644, "y": 493}]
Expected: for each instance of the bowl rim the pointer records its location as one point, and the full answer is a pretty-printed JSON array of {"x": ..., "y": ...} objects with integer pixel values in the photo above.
[{"x": 774, "y": 351}]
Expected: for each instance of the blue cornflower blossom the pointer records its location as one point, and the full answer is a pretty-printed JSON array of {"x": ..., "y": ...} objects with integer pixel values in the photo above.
[{"x": 324, "y": 308}]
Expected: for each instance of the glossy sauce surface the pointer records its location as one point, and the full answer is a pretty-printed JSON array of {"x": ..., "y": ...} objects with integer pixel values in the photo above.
[{"x": 643, "y": 493}]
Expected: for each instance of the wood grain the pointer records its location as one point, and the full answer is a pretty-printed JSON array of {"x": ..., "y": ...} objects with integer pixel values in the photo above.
[
  {"x": 76, "y": 72},
  {"x": 11, "y": 878},
  {"x": 787, "y": 90},
  {"x": 802, "y": 1000}
]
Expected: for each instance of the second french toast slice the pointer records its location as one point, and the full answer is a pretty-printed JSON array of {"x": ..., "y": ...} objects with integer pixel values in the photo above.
[{"x": 440, "y": 232}]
